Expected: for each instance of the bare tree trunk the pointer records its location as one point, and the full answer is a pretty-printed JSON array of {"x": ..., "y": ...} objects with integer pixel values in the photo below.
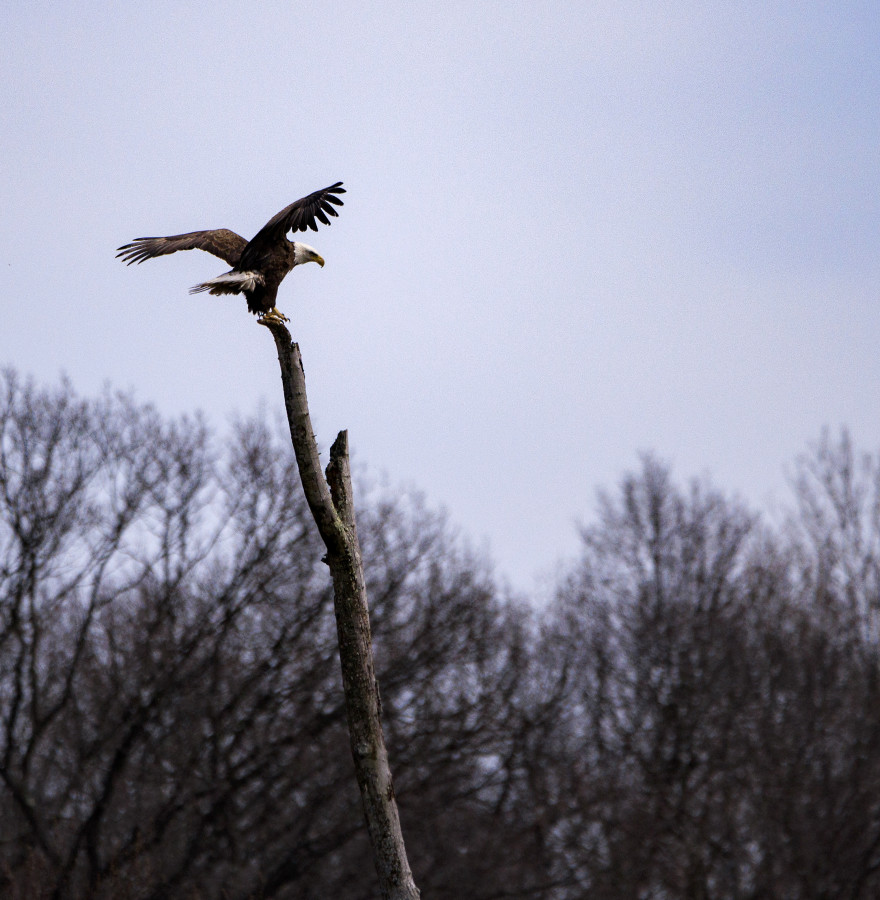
[{"x": 332, "y": 506}]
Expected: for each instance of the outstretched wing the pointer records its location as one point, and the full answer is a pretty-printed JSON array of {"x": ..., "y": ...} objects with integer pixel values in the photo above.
[
  {"x": 221, "y": 242},
  {"x": 303, "y": 214}
]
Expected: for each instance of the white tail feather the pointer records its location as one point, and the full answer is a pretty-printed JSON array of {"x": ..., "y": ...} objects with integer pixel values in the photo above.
[{"x": 230, "y": 283}]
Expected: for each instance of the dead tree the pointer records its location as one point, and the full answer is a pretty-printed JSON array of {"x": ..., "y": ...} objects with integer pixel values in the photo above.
[{"x": 332, "y": 505}]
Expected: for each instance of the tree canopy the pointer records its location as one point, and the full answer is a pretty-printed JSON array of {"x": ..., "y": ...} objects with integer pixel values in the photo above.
[{"x": 693, "y": 715}]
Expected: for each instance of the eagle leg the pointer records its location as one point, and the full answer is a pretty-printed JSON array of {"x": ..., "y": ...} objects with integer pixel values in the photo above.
[{"x": 274, "y": 315}]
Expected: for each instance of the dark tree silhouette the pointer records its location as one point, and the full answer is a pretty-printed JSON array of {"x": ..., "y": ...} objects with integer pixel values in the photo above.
[
  {"x": 171, "y": 707},
  {"x": 693, "y": 715}
]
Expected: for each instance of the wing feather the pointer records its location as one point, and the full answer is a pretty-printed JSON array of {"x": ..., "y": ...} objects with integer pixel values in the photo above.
[
  {"x": 300, "y": 215},
  {"x": 220, "y": 242}
]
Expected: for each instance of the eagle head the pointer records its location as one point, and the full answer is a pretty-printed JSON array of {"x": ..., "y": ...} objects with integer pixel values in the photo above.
[{"x": 303, "y": 253}]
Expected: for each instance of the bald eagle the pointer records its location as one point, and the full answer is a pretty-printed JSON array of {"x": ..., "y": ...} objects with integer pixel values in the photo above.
[{"x": 258, "y": 265}]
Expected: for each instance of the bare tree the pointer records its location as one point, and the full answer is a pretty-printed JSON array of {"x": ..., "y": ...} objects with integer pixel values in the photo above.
[
  {"x": 714, "y": 731},
  {"x": 332, "y": 505},
  {"x": 169, "y": 683},
  {"x": 693, "y": 716},
  {"x": 836, "y": 527}
]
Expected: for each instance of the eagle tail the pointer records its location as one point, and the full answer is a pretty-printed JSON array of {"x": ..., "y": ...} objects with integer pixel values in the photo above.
[{"x": 230, "y": 283}]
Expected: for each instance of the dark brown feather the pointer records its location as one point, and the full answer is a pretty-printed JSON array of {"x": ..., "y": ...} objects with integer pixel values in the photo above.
[
  {"x": 221, "y": 242},
  {"x": 299, "y": 216}
]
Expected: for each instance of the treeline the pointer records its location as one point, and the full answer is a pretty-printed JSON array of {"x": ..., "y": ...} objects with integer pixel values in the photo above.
[{"x": 695, "y": 715}]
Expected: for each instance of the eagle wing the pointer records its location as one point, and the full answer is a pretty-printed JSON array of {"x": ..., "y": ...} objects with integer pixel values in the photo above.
[
  {"x": 221, "y": 242},
  {"x": 300, "y": 215}
]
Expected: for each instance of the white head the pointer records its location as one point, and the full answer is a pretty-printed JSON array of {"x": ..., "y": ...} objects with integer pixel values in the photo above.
[{"x": 303, "y": 253}]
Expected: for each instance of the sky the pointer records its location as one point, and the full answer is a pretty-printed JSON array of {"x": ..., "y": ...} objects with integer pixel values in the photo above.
[{"x": 574, "y": 233}]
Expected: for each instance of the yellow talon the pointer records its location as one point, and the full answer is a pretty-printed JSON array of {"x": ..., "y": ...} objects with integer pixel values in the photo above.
[{"x": 272, "y": 316}]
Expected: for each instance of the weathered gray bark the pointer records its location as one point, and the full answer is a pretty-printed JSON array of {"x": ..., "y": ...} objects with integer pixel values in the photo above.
[{"x": 332, "y": 506}]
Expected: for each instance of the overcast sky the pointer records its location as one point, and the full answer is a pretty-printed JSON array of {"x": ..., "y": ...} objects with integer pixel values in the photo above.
[{"x": 573, "y": 232}]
